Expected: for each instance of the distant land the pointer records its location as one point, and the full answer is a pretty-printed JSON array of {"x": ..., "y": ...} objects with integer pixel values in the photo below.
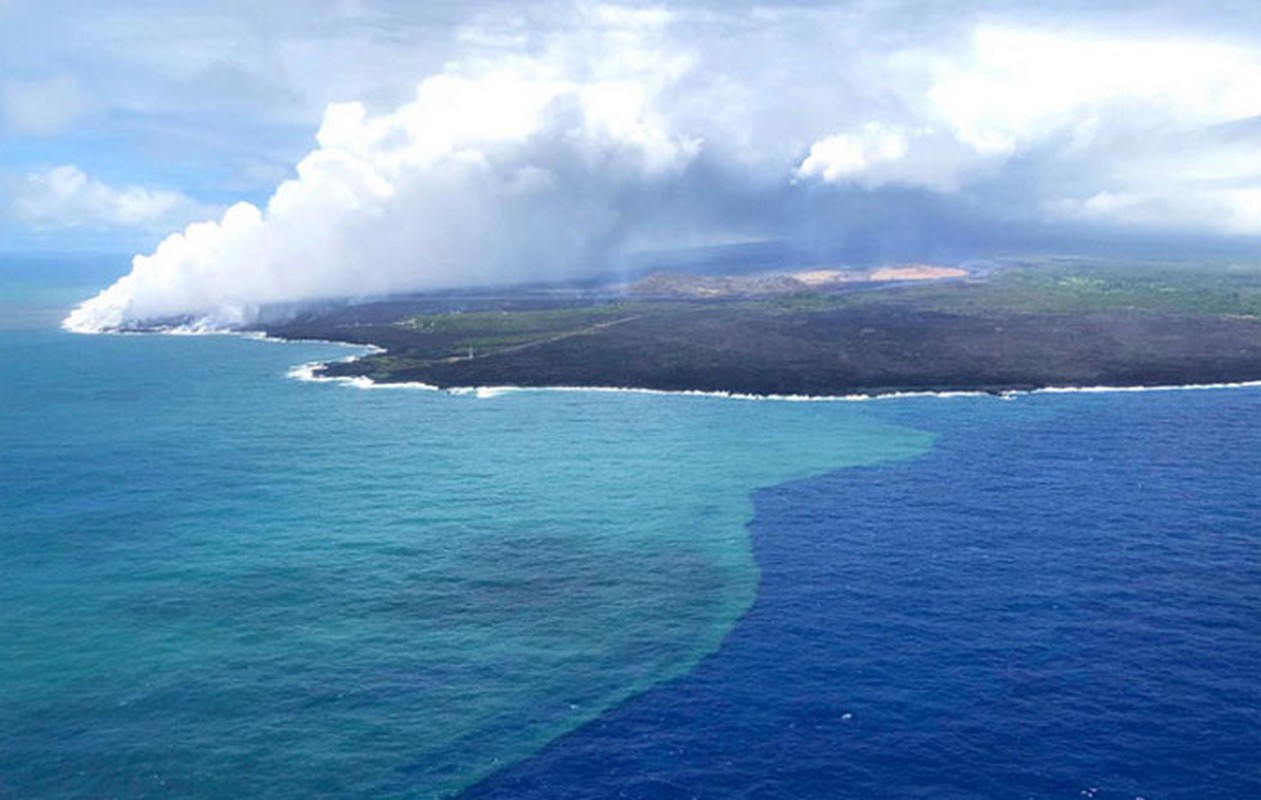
[
  {"x": 1022, "y": 325},
  {"x": 769, "y": 284}
]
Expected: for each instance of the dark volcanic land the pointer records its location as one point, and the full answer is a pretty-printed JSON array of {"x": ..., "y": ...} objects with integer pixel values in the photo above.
[{"x": 1020, "y": 330}]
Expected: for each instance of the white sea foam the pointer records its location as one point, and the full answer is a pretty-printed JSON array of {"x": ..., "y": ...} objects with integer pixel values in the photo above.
[
  {"x": 310, "y": 371},
  {"x": 307, "y": 372},
  {"x": 1186, "y": 387}
]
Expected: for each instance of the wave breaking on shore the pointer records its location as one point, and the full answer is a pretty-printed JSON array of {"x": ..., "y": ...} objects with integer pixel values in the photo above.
[{"x": 309, "y": 372}]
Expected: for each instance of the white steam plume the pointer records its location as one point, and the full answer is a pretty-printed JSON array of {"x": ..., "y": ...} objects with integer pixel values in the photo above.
[{"x": 479, "y": 178}]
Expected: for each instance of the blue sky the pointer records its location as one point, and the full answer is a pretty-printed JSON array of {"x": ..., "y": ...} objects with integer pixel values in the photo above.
[
  {"x": 212, "y": 103},
  {"x": 447, "y": 142}
]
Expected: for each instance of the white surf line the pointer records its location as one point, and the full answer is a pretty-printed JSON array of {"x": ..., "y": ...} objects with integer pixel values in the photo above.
[
  {"x": 1173, "y": 387},
  {"x": 306, "y": 372}
]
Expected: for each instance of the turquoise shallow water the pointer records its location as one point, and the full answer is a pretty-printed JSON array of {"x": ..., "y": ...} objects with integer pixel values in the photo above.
[{"x": 220, "y": 582}]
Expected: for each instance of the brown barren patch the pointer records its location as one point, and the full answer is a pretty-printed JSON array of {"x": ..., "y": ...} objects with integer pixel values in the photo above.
[{"x": 916, "y": 272}]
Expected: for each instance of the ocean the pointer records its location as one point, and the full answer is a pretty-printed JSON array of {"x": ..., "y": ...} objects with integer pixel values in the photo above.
[{"x": 219, "y": 581}]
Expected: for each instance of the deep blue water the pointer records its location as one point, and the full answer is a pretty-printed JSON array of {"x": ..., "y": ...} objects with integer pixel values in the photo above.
[
  {"x": 219, "y": 582},
  {"x": 1062, "y": 600}
]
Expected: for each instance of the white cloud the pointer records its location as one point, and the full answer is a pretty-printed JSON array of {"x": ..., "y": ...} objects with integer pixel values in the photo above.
[
  {"x": 851, "y": 156},
  {"x": 1232, "y": 212},
  {"x": 1110, "y": 130},
  {"x": 1017, "y": 86},
  {"x": 65, "y": 197}
]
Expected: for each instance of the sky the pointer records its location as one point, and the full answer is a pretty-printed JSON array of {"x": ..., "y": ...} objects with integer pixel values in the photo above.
[{"x": 250, "y": 153}]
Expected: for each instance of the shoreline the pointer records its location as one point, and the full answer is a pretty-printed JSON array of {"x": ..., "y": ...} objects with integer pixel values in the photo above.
[{"x": 307, "y": 373}]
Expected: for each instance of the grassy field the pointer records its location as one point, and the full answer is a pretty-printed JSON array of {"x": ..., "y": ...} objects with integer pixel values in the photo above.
[
  {"x": 1081, "y": 286},
  {"x": 494, "y": 331}
]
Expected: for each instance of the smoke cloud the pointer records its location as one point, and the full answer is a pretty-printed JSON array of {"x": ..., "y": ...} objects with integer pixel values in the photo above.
[{"x": 555, "y": 143}]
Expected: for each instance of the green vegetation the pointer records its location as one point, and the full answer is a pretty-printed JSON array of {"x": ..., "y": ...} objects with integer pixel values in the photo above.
[
  {"x": 1079, "y": 287},
  {"x": 483, "y": 332},
  {"x": 513, "y": 323}
]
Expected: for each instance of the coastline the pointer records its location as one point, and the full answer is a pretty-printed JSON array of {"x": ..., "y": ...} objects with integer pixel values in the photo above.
[
  {"x": 308, "y": 372},
  {"x": 764, "y": 351},
  {"x": 1050, "y": 331}
]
